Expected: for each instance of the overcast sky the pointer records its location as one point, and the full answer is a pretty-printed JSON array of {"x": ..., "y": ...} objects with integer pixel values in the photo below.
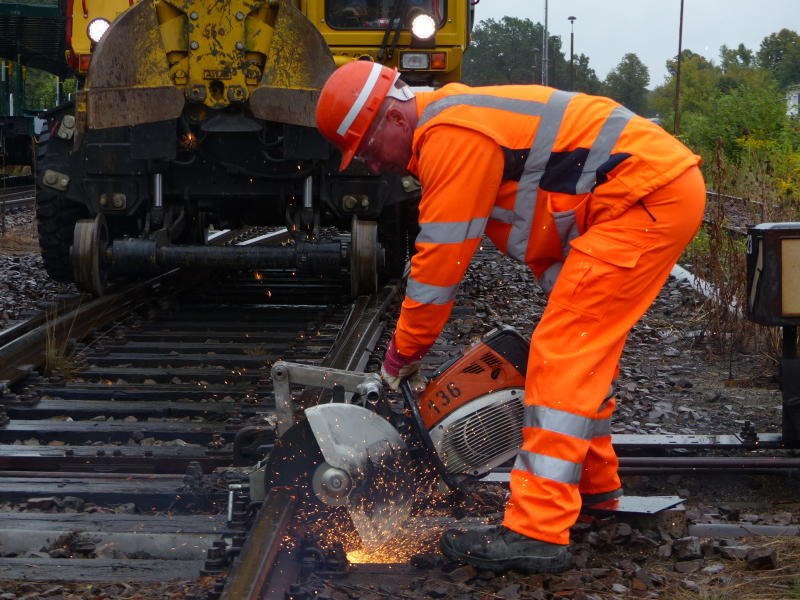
[{"x": 605, "y": 31}]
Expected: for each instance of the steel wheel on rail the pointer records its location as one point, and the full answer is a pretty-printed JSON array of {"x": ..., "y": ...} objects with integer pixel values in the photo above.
[
  {"x": 89, "y": 245},
  {"x": 365, "y": 257}
]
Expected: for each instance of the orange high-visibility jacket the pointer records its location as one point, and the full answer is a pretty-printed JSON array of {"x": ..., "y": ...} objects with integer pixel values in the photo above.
[{"x": 530, "y": 166}]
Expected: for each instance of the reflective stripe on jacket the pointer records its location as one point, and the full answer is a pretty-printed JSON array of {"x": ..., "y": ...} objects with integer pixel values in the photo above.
[{"x": 540, "y": 153}]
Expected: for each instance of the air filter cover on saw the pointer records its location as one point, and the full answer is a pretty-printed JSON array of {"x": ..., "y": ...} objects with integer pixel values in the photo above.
[{"x": 473, "y": 406}]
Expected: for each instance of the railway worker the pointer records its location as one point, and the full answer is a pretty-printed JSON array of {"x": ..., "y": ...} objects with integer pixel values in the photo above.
[{"x": 597, "y": 201}]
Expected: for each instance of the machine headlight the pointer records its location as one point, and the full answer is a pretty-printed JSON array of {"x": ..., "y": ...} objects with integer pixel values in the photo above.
[
  {"x": 97, "y": 28},
  {"x": 423, "y": 26},
  {"x": 415, "y": 60}
]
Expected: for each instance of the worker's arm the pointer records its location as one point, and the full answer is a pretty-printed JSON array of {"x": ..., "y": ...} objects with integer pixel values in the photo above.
[{"x": 460, "y": 171}]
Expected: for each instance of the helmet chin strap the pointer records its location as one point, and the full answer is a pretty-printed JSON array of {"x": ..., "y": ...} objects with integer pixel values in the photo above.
[{"x": 402, "y": 93}]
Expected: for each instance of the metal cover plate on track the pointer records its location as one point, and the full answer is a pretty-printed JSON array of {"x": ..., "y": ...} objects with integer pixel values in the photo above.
[{"x": 641, "y": 505}]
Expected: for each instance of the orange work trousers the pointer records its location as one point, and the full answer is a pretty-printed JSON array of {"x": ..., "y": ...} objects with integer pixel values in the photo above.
[{"x": 610, "y": 277}]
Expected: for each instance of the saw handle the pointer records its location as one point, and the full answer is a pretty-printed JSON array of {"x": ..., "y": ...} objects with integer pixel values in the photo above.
[{"x": 427, "y": 442}]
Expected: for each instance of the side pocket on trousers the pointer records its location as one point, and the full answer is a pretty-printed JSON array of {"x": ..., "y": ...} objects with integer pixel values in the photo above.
[{"x": 596, "y": 271}]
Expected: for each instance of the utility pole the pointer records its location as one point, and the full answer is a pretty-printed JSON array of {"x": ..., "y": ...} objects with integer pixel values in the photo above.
[
  {"x": 676, "y": 124},
  {"x": 571, "y": 53},
  {"x": 545, "y": 51}
]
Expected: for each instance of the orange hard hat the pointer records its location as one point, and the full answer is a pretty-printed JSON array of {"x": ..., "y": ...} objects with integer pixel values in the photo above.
[{"x": 349, "y": 101}]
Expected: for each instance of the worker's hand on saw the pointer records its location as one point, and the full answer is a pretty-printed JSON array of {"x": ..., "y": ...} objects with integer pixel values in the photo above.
[
  {"x": 397, "y": 367},
  {"x": 416, "y": 379}
]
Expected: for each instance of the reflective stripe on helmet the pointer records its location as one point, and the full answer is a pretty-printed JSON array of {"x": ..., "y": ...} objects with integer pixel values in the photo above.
[{"x": 361, "y": 100}]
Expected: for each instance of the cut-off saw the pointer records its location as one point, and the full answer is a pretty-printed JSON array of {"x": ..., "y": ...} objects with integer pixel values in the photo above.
[{"x": 374, "y": 456}]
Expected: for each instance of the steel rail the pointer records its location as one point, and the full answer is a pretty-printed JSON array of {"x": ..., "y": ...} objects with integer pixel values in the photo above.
[
  {"x": 15, "y": 203},
  {"x": 699, "y": 462},
  {"x": 60, "y": 306},
  {"x": 654, "y": 465},
  {"x": 6, "y": 192},
  {"x": 63, "y": 307},
  {"x": 709, "y": 193},
  {"x": 254, "y": 568},
  {"x": 361, "y": 329},
  {"x": 29, "y": 350},
  {"x": 92, "y": 475}
]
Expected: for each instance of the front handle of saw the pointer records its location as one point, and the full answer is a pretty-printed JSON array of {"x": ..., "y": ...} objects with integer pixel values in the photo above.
[{"x": 422, "y": 432}]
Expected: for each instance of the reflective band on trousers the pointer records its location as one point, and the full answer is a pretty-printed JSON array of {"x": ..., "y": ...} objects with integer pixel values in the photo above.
[
  {"x": 565, "y": 423},
  {"x": 552, "y": 113},
  {"x": 548, "y": 467},
  {"x": 427, "y": 293},
  {"x": 452, "y": 232}
]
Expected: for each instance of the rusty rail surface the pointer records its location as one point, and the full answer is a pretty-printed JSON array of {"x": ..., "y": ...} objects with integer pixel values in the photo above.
[
  {"x": 26, "y": 344},
  {"x": 252, "y": 570}
]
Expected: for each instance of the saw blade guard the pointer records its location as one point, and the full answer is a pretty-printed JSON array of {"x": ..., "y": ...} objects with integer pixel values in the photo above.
[{"x": 364, "y": 469}]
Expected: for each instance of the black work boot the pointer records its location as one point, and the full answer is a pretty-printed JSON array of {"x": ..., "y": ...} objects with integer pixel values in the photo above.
[
  {"x": 592, "y": 499},
  {"x": 497, "y": 548}
]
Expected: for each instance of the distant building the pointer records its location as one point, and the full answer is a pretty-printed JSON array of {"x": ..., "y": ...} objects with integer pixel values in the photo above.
[{"x": 793, "y": 100}]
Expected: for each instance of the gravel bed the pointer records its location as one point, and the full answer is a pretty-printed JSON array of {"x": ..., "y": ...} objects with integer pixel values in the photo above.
[{"x": 24, "y": 285}]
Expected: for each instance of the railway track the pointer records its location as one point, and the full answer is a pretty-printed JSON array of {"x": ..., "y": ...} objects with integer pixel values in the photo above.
[
  {"x": 170, "y": 382},
  {"x": 15, "y": 197},
  {"x": 735, "y": 214}
]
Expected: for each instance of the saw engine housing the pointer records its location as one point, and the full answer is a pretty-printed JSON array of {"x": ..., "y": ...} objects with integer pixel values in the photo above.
[{"x": 473, "y": 407}]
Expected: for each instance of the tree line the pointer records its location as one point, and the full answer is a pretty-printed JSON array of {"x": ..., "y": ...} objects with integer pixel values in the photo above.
[
  {"x": 509, "y": 51},
  {"x": 732, "y": 111}
]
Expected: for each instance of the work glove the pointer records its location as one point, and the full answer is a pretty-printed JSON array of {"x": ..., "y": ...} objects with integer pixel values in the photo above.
[{"x": 397, "y": 367}]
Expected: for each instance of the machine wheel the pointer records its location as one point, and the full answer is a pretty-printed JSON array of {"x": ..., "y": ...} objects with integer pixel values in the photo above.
[
  {"x": 365, "y": 255},
  {"x": 89, "y": 244},
  {"x": 56, "y": 215}
]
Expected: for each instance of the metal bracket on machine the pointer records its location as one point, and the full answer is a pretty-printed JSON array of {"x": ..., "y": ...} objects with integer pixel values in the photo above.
[{"x": 284, "y": 374}]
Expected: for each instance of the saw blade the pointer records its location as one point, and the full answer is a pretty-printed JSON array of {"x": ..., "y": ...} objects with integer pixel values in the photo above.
[{"x": 372, "y": 453}]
